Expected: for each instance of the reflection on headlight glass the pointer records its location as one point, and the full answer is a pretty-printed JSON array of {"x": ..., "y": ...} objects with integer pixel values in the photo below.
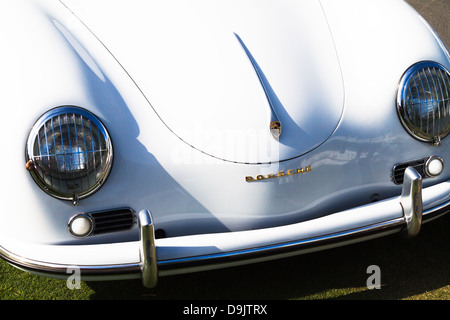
[
  {"x": 424, "y": 102},
  {"x": 71, "y": 152}
]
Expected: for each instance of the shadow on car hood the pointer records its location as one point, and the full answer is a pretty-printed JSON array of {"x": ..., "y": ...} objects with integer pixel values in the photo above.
[{"x": 218, "y": 73}]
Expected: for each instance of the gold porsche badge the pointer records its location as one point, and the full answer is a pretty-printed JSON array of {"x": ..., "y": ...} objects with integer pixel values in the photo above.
[{"x": 278, "y": 174}]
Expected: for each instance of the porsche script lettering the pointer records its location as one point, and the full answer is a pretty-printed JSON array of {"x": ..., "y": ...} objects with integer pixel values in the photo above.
[{"x": 278, "y": 174}]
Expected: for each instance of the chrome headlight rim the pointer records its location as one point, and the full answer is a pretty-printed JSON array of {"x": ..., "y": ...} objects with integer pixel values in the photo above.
[
  {"x": 31, "y": 159},
  {"x": 403, "y": 87}
]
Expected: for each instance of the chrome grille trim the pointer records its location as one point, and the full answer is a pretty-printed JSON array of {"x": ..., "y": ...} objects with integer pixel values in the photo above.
[
  {"x": 419, "y": 165},
  {"x": 398, "y": 171},
  {"x": 113, "y": 220}
]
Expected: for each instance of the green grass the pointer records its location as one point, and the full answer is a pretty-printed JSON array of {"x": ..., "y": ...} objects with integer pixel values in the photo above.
[{"x": 416, "y": 269}]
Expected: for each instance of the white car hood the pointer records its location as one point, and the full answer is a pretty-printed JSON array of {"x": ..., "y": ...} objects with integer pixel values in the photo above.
[{"x": 216, "y": 71}]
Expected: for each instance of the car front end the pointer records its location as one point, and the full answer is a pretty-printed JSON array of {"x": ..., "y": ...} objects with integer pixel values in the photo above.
[{"x": 162, "y": 139}]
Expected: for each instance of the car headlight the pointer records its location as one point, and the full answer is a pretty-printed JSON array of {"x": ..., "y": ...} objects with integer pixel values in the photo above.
[
  {"x": 69, "y": 153},
  {"x": 423, "y": 101}
]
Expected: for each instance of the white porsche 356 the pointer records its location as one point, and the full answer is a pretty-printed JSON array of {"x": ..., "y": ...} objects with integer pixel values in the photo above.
[{"x": 150, "y": 138}]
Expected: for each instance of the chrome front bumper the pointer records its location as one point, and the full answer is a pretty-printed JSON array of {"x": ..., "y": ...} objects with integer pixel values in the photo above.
[{"x": 150, "y": 258}]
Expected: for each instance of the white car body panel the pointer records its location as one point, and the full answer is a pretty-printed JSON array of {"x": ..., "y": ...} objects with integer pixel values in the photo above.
[
  {"x": 193, "y": 180},
  {"x": 192, "y": 69}
]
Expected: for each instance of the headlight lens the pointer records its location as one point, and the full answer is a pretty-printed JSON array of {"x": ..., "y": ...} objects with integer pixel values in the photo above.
[
  {"x": 69, "y": 153},
  {"x": 423, "y": 101}
]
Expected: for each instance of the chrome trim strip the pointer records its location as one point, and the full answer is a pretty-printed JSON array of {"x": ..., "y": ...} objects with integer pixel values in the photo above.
[
  {"x": 60, "y": 269},
  {"x": 436, "y": 211},
  {"x": 296, "y": 246},
  {"x": 149, "y": 270},
  {"x": 133, "y": 270},
  {"x": 320, "y": 241}
]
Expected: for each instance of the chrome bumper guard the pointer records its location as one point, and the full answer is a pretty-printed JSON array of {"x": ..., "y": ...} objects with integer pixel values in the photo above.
[
  {"x": 147, "y": 250},
  {"x": 411, "y": 201}
]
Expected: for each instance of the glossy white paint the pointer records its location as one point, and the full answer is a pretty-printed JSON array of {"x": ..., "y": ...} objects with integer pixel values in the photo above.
[
  {"x": 186, "y": 59},
  {"x": 188, "y": 191}
]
